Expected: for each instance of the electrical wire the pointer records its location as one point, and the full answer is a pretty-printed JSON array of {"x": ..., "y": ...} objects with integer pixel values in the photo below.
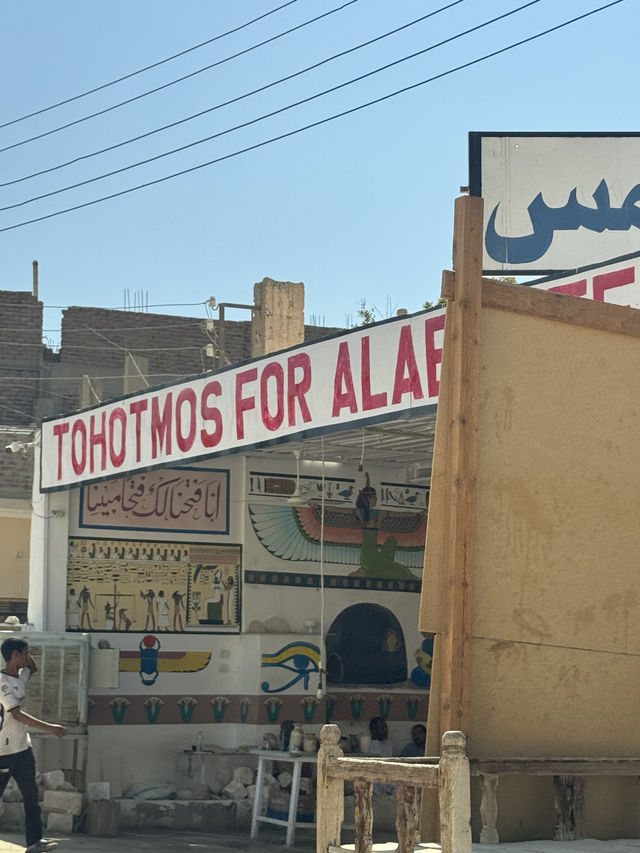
[
  {"x": 179, "y": 79},
  {"x": 27, "y": 387},
  {"x": 109, "y": 349},
  {"x": 241, "y": 97},
  {"x": 80, "y": 375},
  {"x": 17, "y": 412},
  {"x": 147, "y": 67},
  {"x": 317, "y": 123},
  {"x": 123, "y": 308},
  {"x": 271, "y": 114},
  {"x": 124, "y": 349}
]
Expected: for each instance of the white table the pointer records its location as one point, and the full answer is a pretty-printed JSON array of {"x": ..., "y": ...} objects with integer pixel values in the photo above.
[{"x": 297, "y": 759}]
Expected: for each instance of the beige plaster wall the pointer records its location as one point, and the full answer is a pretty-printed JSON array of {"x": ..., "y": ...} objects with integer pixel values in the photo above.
[
  {"x": 556, "y": 604},
  {"x": 14, "y": 558}
]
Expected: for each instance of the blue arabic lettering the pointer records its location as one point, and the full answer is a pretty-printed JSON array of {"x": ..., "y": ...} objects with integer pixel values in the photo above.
[{"x": 547, "y": 220}]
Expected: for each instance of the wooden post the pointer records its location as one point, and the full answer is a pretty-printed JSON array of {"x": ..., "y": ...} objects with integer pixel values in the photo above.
[
  {"x": 364, "y": 815},
  {"x": 462, "y": 332},
  {"x": 569, "y": 802},
  {"x": 407, "y": 817},
  {"x": 455, "y": 795},
  {"x": 330, "y": 799},
  {"x": 489, "y": 809}
]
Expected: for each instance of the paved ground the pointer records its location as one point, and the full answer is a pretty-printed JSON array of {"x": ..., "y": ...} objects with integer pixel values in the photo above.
[{"x": 158, "y": 841}]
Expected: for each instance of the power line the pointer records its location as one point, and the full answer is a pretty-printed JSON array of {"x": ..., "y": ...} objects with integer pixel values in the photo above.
[
  {"x": 122, "y": 308},
  {"x": 318, "y": 123},
  {"x": 22, "y": 344},
  {"x": 232, "y": 100},
  {"x": 271, "y": 114},
  {"x": 30, "y": 388},
  {"x": 29, "y": 415},
  {"x": 179, "y": 79},
  {"x": 136, "y": 329},
  {"x": 147, "y": 67},
  {"x": 79, "y": 376}
]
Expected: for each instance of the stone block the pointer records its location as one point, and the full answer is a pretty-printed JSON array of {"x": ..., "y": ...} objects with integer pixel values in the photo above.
[
  {"x": 244, "y": 810},
  {"x": 64, "y": 802},
  {"x": 103, "y": 817},
  {"x": 217, "y": 780},
  {"x": 234, "y": 791},
  {"x": 58, "y": 822},
  {"x": 244, "y": 775},
  {"x": 184, "y": 794},
  {"x": 197, "y": 815},
  {"x": 284, "y": 779},
  {"x": 53, "y": 780},
  {"x": 99, "y": 791},
  {"x": 151, "y": 791}
]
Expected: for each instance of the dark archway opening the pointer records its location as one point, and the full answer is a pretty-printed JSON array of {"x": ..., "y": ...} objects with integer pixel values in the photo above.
[{"x": 365, "y": 645}]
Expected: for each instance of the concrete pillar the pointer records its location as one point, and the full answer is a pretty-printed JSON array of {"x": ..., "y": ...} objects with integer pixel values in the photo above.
[
  {"x": 46, "y": 609},
  {"x": 278, "y": 319}
]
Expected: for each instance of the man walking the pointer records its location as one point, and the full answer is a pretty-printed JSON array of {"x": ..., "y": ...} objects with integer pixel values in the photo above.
[{"x": 16, "y": 755}]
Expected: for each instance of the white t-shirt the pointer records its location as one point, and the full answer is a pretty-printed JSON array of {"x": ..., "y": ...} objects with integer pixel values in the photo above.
[
  {"x": 383, "y": 748},
  {"x": 14, "y": 736}
]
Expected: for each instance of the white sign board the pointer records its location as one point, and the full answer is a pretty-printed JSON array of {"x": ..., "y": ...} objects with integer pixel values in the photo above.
[
  {"x": 617, "y": 282},
  {"x": 374, "y": 373},
  {"x": 555, "y": 202},
  {"x": 379, "y": 372}
]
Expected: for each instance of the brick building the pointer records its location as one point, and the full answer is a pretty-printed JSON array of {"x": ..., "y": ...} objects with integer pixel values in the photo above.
[{"x": 103, "y": 354}]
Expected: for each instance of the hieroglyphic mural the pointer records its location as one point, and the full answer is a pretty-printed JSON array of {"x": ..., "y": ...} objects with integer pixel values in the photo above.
[
  {"x": 184, "y": 500},
  {"x": 127, "y": 585},
  {"x": 349, "y": 706},
  {"x": 300, "y": 658},
  {"x": 381, "y": 531},
  {"x": 149, "y": 661}
]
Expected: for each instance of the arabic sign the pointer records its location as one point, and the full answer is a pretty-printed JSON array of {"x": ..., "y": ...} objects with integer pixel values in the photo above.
[
  {"x": 556, "y": 202},
  {"x": 377, "y": 372},
  {"x": 189, "y": 500}
]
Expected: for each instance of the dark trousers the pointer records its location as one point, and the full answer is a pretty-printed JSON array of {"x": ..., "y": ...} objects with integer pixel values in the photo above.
[{"x": 22, "y": 766}]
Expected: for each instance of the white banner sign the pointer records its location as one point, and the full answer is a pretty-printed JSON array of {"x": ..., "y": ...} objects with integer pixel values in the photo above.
[
  {"x": 617, "y": 282},
  {"x": 371, "y": 373},
  {"x": 556, "y": 202},
  {"x": 374, "y": 373}
]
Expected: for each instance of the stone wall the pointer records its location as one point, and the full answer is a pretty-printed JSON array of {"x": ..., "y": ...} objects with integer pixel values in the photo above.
[
  {"x": 17, "y": 468},
  {"x": 20, "y": 355}
]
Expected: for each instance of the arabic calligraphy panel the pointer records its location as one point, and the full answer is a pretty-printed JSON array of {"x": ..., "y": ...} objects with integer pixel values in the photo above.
[
  {"x": 189, "y": 500},
  {"x": 126, "y": 585}
]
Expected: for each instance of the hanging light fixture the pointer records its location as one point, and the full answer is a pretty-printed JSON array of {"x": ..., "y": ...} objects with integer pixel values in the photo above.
[{"x": 296, "y": 498}]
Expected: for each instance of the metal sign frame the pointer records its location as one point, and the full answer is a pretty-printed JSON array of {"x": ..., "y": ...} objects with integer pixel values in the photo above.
[{"x": 548, "y": 191}]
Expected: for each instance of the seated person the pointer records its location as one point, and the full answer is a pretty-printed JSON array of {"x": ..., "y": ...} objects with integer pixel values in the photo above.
[
  {"x": 416, "y": 747},
  {"x": 380, "y": 741},
  {"x": 345, "y": 744},
  {"x": 380, "y": 746}
]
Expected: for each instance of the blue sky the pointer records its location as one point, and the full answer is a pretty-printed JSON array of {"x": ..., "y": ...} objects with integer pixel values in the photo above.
[{"x": 357, "y": 208}]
